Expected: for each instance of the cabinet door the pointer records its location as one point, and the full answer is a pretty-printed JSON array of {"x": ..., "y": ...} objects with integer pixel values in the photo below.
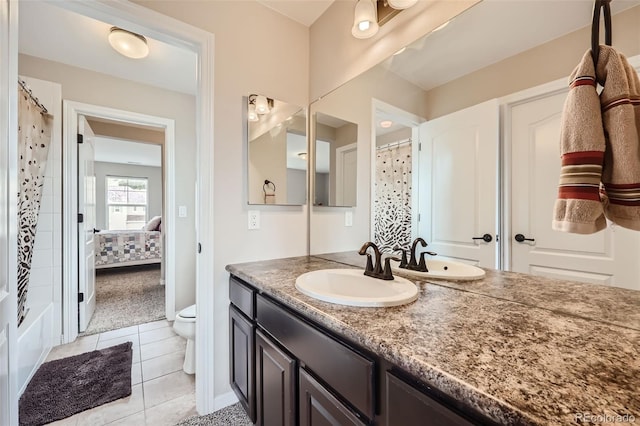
[
  {"x": 407, "y": 406},
  {"x": 275, "y": 384},
  {"x": 242, "y": 361},
  {"x": 319, "y": 408}
]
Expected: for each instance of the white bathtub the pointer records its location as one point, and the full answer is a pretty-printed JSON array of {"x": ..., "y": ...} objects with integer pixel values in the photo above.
[{"x": 34, "y": 342}]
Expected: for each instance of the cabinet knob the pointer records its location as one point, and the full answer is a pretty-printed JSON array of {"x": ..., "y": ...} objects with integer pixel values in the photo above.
[{"x": 487, "y": 238}]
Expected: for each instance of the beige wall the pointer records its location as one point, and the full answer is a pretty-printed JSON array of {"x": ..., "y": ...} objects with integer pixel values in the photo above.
[
  {"x": 127, "y": 132},
  {"x": 100, "y": 89},
  {"x": 542, "y": 64},
  {"x": 336, "y": 56},
  {"x": 256, "y": 51}
]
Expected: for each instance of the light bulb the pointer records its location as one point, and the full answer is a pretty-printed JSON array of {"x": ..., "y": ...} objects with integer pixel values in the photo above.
[
  {"x": 364, "y": 25},
  {"x": 252, "y": 115},
  {"x": 365, "y": 19},
  {"x": 262, "y": 105}
]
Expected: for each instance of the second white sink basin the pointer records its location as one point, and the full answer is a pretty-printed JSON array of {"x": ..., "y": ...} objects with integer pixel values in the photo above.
[
  {"x": 351, "y": 287},
  {"x": 444, "y": 270}
]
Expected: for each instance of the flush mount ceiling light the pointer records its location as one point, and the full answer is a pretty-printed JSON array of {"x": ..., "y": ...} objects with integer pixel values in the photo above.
[
  {"x": 302, "y": 155},
  {"x": 365, "y": 21},
  {"x": 401, "y": 4},
  {"x": 385, "y": 124},
  {"x": 128, "y": 44}
]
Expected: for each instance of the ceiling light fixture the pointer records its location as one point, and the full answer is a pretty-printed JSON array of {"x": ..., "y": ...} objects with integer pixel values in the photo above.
[
  {"x": 402, "y": 49},
  {"x": 302, "y": 155},
  {"x": 128, "y": 44},
  {"x": 385, "y": 124},
  {"x": 401, "y": 4},
  {"x": 365, "y": 21}
]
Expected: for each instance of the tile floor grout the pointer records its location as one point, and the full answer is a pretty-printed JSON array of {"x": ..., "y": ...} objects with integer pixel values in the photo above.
[{"x": 152, "y": 391}]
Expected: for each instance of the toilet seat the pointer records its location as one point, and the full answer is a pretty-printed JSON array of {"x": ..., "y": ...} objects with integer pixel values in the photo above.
[{"x": 188, "y": 313}]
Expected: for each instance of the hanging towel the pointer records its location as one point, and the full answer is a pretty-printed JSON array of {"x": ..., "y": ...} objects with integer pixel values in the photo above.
[{"x": 600, "y": 147}]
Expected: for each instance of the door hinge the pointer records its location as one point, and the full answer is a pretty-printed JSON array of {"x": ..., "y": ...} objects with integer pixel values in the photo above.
[
  {"x": 419, "y": 146},
  {"x": 418, "y": 217},
  {"x": 199, "y": 248},
  {"x": 80, "y": 138},
  {"x": 80, "y": 297},
  {"x": 80, "y": 218}
]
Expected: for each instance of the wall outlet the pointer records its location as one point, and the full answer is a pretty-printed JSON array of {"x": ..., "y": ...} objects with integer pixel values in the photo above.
[
  {"x": 348, "y": 218},
  {"x": 254, "y": 219},
  {"x": 182, "y": 211}
]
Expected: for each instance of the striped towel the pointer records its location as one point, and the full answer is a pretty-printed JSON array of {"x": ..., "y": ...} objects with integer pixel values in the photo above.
[{"x": 600, "y": 147}]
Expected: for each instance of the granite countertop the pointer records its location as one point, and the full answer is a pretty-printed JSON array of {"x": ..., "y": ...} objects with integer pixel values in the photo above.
[{"x": 517, "y": 348}]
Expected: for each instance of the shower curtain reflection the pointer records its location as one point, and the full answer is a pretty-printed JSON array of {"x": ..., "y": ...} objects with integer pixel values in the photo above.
[
  {"x": 34, "y": 139},
  {"x": 392, "y": 203}
]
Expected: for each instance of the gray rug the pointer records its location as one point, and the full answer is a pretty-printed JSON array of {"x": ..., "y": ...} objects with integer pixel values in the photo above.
[
  {"x": 67, "y": 386},
  {"x": 232, "y": 415},
  {"x": 127, "y": 296}
]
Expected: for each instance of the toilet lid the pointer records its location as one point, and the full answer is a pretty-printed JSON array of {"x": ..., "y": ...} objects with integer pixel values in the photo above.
[{"x": 189, "y": 312}]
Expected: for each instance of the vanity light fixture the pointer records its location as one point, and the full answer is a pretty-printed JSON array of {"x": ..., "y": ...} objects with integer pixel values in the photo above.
[
  {"x": 385, "y": 124},
  {"x": 252, "y": 115},
  {"x": 365, "y": 21},
  {"x": 128, "y": 44},
  {"x": 258, "y": 105},
  {"x": 262, "y": 105},
  {"x": 401, "y": 4}
]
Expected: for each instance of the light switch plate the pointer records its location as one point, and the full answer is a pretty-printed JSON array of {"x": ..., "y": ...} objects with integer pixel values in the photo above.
[
  {"x": 254, "y": 219},
  {"x": 182, "y": 211},
  {"x": 348, "y": 218}
]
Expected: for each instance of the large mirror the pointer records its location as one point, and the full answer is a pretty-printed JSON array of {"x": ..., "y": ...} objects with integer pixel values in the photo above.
[
  {"x": 459, "y": 136},
  {"x": 336, "y": 154},
  {"x": 277, "y": 152}
]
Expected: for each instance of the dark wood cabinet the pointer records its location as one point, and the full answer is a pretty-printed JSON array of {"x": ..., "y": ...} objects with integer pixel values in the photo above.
[
  {"x": 242, "y": 360},
  {"x": 275, "y": 384},
  {"x": 318, "y": 407},
  {"x": 409, "y": 406}
]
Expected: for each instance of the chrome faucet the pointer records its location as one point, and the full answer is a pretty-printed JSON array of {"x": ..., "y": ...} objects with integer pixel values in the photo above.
[{"x": 377, "y": 271}]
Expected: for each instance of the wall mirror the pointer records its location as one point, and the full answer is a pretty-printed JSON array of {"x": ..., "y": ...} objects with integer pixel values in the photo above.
[
  {"x": 276, "y": 151},
  {"x": 492, "y": 50},
  {"x": 336, "y": 154}
]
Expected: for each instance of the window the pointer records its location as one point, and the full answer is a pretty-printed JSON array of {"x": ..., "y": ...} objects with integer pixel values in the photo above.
[{"x": 126, "y": 202}]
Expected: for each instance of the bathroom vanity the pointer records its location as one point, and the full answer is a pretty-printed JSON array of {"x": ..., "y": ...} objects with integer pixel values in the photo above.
[{"x": 508, "y": 349}]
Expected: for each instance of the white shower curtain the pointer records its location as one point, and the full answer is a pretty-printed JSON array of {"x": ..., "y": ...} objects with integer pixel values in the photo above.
[
  {"x": 392, "y": 203},
  {"x": 34, "y": 138}
]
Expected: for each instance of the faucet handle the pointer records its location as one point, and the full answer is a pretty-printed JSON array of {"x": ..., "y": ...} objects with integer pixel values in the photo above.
[
  {"x": 369, "y": 267},
  {"x": 387, "y": 274},
  {"x": 403, "y": 261}
]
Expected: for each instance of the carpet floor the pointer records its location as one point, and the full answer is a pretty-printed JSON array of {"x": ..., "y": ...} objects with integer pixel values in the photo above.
[
  {"x": 232, "y": 415},
  {"x": 67, "y": 386},
  {"x": 127, "y": 296}
]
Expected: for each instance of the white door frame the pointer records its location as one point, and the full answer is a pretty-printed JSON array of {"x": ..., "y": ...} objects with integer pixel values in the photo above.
[
  {"x": 70, "y": 111},
  {"x": 169, "y": 30},
  {"x": 340, "y": 153},
  {"x": 9, "y": 212},
  {"x": 507, "y": 103}
]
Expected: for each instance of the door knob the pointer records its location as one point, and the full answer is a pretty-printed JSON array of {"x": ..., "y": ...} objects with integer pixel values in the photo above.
[
  {"x": 521, "y": 238},
  {"x": 487, "y": 238}
]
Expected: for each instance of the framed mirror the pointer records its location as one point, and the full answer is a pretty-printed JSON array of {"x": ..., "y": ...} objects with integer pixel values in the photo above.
[
  {"x": 335, "y": 169},
  {"x": 276, "y": 152}
]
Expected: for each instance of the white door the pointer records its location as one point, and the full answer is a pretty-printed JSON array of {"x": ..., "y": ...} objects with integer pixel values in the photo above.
[
  {"x": 458, "y": 184},
  {"x": 87, "y": 208},
  {"x": 607, "y": 257},
  {"x": 346, "y": 175}
]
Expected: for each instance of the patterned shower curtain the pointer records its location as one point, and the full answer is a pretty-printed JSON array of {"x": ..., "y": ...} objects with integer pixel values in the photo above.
[
  {"x": 392, "y": 203},
  {"x": 34, "y": 138}
]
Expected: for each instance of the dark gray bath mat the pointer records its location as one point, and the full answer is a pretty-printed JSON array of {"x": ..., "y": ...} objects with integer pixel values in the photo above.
[{"x": 67, "y": 386}]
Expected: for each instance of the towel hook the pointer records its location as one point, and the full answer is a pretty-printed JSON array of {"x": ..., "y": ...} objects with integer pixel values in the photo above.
[{"x": 595, "y": 28}]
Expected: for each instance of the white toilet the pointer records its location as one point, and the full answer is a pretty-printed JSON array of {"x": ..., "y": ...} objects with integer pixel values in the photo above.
[{"x": 185, "y": 326}]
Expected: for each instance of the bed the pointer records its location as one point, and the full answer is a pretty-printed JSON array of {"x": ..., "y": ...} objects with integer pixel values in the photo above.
[{"x": 126, "y": 248}]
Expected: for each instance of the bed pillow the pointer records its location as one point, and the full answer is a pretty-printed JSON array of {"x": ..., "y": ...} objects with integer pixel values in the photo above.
[{"x": 153, "y": 224}]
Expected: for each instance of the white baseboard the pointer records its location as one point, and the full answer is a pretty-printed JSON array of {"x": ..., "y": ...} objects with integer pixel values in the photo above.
[{"x": 224, "y": 400}]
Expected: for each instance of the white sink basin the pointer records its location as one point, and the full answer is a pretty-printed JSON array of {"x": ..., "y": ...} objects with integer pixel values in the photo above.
[
  {"x": 351, "y": 287},
  {"x": 444, "y": 270}
]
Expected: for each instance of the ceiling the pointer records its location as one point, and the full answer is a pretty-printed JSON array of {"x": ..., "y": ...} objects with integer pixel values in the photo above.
[
  {"x": 110, "y": 150},
  {"x": 305, "y": 12},
  {"x": 471, "y": 42},
  {"x": 50, "y": 32}
]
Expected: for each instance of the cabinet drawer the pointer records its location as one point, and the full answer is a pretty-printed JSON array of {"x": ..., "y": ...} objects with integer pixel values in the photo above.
[
  {"x": 242, "y": 297},
  {"x": 344, "y": 370},
  {"x": 408, "y": 406}
]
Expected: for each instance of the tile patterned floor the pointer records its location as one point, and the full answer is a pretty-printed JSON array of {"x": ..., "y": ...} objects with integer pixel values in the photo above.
[{"x": 161, "y": 393}]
